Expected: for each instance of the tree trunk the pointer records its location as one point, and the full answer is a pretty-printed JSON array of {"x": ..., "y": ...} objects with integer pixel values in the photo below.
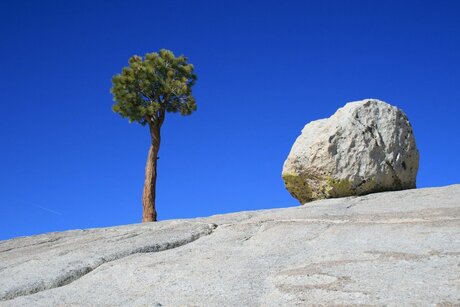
[{"x": 149, "y": 213}]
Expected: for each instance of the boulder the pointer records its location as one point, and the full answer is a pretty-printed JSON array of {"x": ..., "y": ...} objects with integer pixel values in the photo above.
[{"x": 365, "y": 147}]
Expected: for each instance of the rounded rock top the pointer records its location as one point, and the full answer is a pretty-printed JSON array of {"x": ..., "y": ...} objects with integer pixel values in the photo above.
[{"x": 366, "y": 146}]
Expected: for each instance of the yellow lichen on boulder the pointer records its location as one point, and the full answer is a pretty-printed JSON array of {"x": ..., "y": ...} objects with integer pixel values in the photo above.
[
  {"x": 367, "y": 146},
  {"x": 298, "y": 187},
  {"x": 338, "y": 188}
]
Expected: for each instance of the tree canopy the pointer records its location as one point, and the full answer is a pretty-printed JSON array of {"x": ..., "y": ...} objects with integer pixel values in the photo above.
[{"x": 150, "y": 86}]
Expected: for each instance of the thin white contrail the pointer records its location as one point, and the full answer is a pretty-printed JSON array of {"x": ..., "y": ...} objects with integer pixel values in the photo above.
[{"x": 48, "y": 209}]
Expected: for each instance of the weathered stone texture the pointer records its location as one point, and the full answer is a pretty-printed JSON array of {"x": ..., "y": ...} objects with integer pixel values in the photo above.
[
  {"x": 367, "y": 146},
  {"x": 383, "y": 249}
]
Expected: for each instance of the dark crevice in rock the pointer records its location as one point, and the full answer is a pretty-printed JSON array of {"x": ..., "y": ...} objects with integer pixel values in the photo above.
[
  {"x": 373, "y": 131},
  {"x": 398, "y": 183},
  {"x": 403, "y": 164},
  {"x": 360, "y": 184},
  {"x": 77, "y": 273}
]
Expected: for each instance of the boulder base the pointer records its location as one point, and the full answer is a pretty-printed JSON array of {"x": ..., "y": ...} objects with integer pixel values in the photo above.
[{"x": 367, "y": 146}]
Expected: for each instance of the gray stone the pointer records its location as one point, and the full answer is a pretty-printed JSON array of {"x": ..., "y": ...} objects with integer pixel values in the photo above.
[
  {"x": 386, "y": 249},
  {"x": 365, "y": 147},
  {"x": 33, "y": 264}
]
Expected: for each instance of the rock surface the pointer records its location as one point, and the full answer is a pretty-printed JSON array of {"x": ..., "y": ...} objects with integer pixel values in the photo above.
[
  {"x": 365, "y": 147},
  {"x": 393, "y": 249}
]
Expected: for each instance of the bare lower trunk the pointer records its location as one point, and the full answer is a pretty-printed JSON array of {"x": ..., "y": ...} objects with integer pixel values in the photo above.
[{"x": 149, "y": 213}]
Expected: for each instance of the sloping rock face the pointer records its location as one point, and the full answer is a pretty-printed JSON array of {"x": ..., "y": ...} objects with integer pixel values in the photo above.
[
  {"x": 367, "y": 146},
  {"x": 386, "y": 249}
]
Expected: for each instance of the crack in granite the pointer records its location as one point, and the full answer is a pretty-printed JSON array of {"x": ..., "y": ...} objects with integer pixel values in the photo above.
[{"x": 75, "y": 274}]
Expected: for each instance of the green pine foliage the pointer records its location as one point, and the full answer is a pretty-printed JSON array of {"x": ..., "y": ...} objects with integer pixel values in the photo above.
[{"x": 153, "y": 85}]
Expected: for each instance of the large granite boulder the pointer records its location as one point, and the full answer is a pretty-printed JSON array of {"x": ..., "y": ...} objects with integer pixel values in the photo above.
[{"x": 367, "y": 146}]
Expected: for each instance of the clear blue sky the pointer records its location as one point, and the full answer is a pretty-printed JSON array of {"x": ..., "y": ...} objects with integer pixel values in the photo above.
[{"x": 265, "y": 69}]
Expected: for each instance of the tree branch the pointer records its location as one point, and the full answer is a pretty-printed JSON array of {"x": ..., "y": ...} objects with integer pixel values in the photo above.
[{"x": 147, "y": 96}]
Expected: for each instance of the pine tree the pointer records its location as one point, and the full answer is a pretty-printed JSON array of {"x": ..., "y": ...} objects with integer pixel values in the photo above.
[{"x": 144, "y": 92}]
